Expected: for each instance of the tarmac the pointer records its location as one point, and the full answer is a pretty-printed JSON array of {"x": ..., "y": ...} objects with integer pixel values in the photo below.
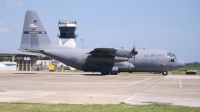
[{"x": 93, "y": 88}]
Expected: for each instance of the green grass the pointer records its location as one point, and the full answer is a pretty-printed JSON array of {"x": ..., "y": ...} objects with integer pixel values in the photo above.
[
  {"x": 198, "y": 73},
  {"x": 122, "y": 107},
  {"x": 179, "y": 71},
  {"x": 192, "y": 66}
]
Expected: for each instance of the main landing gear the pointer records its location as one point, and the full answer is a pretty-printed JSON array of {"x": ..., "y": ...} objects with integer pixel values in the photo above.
[
  {"x": 107, "y": 73},
  {"x": 164, "y": 73}
]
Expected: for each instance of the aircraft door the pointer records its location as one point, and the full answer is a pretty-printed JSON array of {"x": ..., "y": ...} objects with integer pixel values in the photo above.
[{"x": 143, "y": 62}]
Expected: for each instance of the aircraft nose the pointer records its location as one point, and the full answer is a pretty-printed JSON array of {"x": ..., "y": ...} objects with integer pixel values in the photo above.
[{"x": 180, "y": 63}]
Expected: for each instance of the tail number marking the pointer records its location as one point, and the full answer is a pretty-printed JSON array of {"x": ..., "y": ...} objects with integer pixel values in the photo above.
[{"x": 73, "y": 59}]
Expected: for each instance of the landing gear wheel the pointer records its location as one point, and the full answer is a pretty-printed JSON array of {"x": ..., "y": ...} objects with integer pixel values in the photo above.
[
  {"x": 105, "y": 73},
  {"x": 113, "y": 73},
  {"x": 164, "y": 73}
]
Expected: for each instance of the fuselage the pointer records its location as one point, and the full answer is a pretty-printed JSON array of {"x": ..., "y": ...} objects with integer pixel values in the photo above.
[{"x": 144, "y": 61}]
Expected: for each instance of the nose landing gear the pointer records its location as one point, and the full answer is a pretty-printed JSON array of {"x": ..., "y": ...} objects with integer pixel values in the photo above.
[{"x": 164, "y": 73}]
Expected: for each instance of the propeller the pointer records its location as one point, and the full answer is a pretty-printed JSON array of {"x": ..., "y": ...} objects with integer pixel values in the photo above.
[{"x": 134, "y": 52}]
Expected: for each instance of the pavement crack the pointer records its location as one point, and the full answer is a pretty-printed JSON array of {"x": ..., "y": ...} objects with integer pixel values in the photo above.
[
  {"x": 143, "y": 90},
  {"x": 139, "y": 81}
]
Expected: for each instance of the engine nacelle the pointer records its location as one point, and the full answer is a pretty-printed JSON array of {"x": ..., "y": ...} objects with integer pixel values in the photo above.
[
  {"x": 110, "y": 59},
  {"x": 119, "y": 67},
  {"x": 122, "y": 53},
  {"x": 124, "y": 66}
]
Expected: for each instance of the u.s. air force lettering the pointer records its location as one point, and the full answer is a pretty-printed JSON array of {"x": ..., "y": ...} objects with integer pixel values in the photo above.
[{"x": 154, "y": 55}]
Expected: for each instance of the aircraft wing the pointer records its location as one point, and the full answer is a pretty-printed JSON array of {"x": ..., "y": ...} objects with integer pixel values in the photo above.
[
  {"x": 111, "y": 52},
  {"x": 103, "y": 51}
]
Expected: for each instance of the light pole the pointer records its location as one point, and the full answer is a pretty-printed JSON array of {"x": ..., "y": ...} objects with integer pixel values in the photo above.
[{"x": 82, "y": 42}]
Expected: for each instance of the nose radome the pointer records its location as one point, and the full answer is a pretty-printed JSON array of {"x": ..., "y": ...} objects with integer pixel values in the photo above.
[{"x": 180, "y": 63}]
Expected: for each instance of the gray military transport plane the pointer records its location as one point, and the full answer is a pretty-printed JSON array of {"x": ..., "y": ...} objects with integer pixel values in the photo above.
[{"x": 104, "y": 60}]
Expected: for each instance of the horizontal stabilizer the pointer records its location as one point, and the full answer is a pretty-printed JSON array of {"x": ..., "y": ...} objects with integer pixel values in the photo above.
[{"x": 32, "y": 50}]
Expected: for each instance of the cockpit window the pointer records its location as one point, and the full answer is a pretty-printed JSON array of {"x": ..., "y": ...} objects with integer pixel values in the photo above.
[{"x": 169, "y": 54}]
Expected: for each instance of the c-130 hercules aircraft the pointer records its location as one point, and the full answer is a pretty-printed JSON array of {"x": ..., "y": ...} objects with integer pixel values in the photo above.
[{"x": 104, "y": 60}]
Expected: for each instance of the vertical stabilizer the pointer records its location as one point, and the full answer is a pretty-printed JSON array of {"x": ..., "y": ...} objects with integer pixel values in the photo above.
[{"x": 34, "y": 35}]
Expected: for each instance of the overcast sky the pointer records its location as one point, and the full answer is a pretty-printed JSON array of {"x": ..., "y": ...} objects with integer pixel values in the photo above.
[{"x": 172, "y": 25}]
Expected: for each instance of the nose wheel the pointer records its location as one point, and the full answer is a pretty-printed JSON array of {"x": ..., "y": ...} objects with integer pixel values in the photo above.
[{"x": 164, "y": 73}]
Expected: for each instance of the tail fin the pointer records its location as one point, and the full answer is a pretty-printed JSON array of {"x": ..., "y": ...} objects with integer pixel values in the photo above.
[{"x": 34, "y": 36}]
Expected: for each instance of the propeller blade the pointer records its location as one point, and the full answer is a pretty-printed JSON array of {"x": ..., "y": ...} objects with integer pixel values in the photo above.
[{"x": 134, "y": 52}]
